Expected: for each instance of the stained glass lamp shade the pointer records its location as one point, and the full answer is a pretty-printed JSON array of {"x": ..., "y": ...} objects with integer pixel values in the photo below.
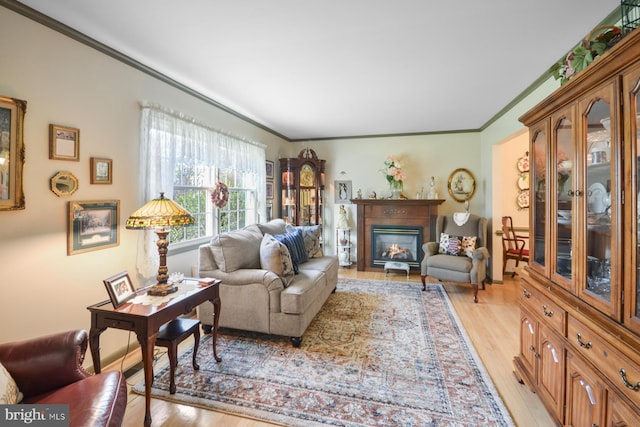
[{"x": 160, "y": 215}]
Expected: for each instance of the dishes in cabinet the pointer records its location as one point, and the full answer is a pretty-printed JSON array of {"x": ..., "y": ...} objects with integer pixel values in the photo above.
[{"x": 597, "y": 198}]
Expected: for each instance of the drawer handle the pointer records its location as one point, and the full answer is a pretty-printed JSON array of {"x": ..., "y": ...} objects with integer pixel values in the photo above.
[
  {"x": 630, "y": 386},
  {"x": 526, "y": 294},
  {"x": 546, "y": 313},
  {"x": 582, "y": 344}
]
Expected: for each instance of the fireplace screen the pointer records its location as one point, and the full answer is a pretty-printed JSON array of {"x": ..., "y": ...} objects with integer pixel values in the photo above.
[{"x": 396, "y": 243}]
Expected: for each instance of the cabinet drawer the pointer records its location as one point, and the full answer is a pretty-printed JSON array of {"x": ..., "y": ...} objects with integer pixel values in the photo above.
[
  {"x": 538, "y": 303},
  {"x": 608, "y": 359}
]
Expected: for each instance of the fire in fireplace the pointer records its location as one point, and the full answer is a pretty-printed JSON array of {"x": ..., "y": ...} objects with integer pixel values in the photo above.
[{"x": 396, "y": 243}]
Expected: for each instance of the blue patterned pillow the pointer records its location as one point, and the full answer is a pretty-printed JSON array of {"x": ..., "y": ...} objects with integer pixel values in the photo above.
[
  {"x": 295, "y": 243},
  {"x": 312, "y": 238}
]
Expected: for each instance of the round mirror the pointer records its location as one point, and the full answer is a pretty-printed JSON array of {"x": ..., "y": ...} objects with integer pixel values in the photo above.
[{"x": 64, "y": 184}]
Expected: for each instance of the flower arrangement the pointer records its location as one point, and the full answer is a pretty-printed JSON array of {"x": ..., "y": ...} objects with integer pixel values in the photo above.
[
  {"x": 220, "y": 195},
  {"x": 393, "y": 170},
  {"x": 586, "y": 51}
]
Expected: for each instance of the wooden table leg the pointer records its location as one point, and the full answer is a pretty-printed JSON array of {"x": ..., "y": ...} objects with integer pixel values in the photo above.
[
  {"x": 147, "y": 345},
  {"x": 214, "y": 331},
  {"x": 94, "y": 345}
]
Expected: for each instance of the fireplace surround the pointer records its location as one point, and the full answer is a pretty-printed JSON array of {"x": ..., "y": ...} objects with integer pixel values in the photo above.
[{"x": 399, "y": 213}]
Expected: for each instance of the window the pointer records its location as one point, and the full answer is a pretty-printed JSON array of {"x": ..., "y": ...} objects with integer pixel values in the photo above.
[{"x": 185, "y": 159}]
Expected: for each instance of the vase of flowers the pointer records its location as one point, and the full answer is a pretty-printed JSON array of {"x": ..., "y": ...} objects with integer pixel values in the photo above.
[{"x": 393, "y": 174}]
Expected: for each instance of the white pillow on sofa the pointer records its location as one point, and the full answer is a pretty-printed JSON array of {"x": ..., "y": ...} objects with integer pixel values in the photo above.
[
  {"x": 9, "y": 393},
  {"x": 275, "y": 257}
]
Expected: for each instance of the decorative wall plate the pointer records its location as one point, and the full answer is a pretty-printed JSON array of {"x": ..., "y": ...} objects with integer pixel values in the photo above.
[
  {"x": 462, "y": 185},
  {"x": 523, "y": 181},
  {"x": 523, "y": 163},
  {"x": 523, "y": 199}
]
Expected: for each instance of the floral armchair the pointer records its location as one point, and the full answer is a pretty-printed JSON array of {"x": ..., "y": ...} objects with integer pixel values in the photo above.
[{"x": 460, "y": 254}]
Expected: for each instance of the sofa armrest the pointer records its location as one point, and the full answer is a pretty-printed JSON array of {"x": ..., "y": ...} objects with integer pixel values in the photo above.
[
  {"x": 46, "y": 363},
  {"x": 244, "y": 276}
]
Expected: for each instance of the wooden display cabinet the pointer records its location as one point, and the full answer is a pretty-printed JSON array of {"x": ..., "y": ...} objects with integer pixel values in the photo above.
[
  {"x": 584, "y": 268},
  {"x": 302, "y": 184}
]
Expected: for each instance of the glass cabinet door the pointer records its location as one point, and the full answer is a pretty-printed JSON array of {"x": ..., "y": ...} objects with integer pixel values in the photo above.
[
  {"x": 538, "y": 171},
  {"x": 597, "y": 249},
  {"x": 562, "y": 188},
  {"x": 631, "y": 88}
]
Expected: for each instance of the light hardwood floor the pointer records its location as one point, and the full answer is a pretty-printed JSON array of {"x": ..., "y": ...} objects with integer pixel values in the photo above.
[{"x": 492, "y": 325}]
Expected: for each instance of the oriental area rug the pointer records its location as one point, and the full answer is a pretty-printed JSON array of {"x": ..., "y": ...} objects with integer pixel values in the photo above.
[{"x": 378, "y": 354}]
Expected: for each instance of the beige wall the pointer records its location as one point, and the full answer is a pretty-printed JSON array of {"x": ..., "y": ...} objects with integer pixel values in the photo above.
[{"x": 67, "y": 83}]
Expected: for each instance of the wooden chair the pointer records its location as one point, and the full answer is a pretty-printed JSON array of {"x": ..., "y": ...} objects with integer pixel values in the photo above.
[
  {"x": 512, "y": 245},
  {"x": 172, "y": 334}
]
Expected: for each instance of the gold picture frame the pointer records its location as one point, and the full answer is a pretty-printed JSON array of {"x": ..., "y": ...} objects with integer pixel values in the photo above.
[
  {"x": 12, "y": 153},
  {"x": 462, "y": 185},
  {"x": 101, "y": 171},
  {"x": 64, "y": 143}
]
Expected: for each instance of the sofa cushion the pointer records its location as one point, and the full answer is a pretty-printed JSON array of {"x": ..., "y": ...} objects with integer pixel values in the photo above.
[
  {"x": 303, "y": 290},
  {"x": 311, "y": 235},
  {"x": 295, "y": 243},
  {"x": 275, "y": 226},
  {"x": 275, "y": 257},
  {"x": 9, "y": 393},
  {"x": 237, "y": 249}
]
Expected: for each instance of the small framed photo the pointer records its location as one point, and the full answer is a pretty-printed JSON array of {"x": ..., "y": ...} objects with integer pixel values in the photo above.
[
  {"x": 64, "y": 143},
  {"x": 101, "y": 171},
  {"x": 269, "y": 211},
  {"x": 270, "y": 170},
  {"x": 269, "y": 190},
  {"x": 93, "y": 225},
  {"x": 120, "y": 288},
  {"x": 343, "y": 192}
]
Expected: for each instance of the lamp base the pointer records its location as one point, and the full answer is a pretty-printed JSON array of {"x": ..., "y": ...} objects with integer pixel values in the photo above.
[{"x": 162, "y": 289}]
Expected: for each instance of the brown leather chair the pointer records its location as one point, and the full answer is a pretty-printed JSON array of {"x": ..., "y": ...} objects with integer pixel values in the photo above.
[
  {"x": 48, "y": 370},
  {"x": 512, "y": 245}
]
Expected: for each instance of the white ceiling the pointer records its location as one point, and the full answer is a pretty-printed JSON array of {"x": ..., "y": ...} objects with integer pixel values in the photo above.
[{"x": 332, "y": 68}]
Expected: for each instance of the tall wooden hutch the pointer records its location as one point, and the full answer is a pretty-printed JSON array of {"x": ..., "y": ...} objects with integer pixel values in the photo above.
[
  {"x": 302, "y": 184},
  {"x": 580, "y": 296}
]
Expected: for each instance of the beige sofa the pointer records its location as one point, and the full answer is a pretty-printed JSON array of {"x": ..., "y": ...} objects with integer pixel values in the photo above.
[{"x": 259, "y": 292}]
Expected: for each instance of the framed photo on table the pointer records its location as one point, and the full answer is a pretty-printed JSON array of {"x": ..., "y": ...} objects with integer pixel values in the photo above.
[
  {"x": 12, "y": 153},
  {"x": 93, "y": 225},
  {"x": 119, "y": 288},
  {"x": 64, "y": 143}
]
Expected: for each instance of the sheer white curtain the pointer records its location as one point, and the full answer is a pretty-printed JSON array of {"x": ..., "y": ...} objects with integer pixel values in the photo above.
[{"x": 168, "y": 137}]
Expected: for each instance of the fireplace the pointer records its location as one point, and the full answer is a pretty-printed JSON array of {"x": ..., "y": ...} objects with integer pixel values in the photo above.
[
  {"x": 396, "y": 243},
  {"x": 397, "y": 213}
]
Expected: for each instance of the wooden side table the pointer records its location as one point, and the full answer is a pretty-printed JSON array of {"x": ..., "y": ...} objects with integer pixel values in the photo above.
[{"x": 146, "y": 320}]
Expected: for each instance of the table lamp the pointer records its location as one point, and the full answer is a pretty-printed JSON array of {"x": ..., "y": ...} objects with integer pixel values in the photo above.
[{"x": 159, "y": 215}]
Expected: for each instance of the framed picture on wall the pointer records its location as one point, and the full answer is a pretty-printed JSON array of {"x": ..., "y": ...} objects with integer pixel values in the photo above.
[
  {"x": 93, "y": 225},
  {"x": 64, "y": 143},
  {"x": 269, "y": 190},
  {"x": 101, "y": 171},
  {"x": 270, "y": 169},
  {"x": 11, "y": 153},
  {"x": 343, "y": 191}
]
